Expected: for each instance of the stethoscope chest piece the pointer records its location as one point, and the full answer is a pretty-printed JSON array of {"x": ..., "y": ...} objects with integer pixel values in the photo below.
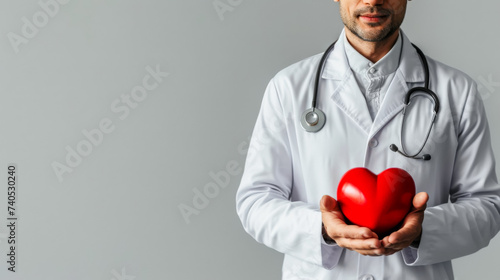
[{"x": 313, "y": 120}]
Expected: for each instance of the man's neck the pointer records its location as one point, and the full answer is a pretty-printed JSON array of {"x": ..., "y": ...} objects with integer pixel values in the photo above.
[{"x": 374, "y": 51}]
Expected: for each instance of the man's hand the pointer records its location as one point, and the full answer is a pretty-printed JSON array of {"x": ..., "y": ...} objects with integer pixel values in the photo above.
[
  {"x": 352, "y": 237},
  {"x": 411, "y": 230}
]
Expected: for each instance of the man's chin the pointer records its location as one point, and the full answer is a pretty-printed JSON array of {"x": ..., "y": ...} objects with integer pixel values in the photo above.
[{"x": 374, "y": 34}]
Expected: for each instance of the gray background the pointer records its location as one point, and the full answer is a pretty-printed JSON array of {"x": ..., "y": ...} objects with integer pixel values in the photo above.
[{"x": 116, "y": 215}]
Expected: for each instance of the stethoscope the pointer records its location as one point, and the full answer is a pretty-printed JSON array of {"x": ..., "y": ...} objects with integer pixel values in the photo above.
[{"x": 313, "y": 119}]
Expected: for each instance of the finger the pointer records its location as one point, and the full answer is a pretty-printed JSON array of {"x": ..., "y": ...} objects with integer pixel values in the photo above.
[
  {"x": 420, "y": 201},
  {"x": 331, "y": 213},
  {"x": 411, "y": 229},
  {"x": 334, "y": 223},
  {"x": 360, "y": 244},
  {"x": 394, "y": 246},
  {"x": 328, "y": 204},
  {"x": 373, "y": 253},
  {"x": 389, "y": 251},
  {"x": 385, "y": 242},
  {"x": 406, "y": 235},
  {"x": 353, "y": 232},
  {"x": 397, "y": 240}
]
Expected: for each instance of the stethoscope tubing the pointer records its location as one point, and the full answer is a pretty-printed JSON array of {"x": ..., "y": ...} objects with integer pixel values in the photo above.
[{"x": 313, "y": 119}]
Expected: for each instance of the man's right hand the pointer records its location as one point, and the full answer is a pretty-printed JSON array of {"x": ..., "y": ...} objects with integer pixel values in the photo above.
[{"x": 352, "y": 237}]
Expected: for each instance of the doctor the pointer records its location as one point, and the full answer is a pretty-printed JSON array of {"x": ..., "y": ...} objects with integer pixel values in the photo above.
[{"x": 286, "y": 197}]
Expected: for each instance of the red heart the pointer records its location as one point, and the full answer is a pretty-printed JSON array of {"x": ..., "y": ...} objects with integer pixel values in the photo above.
[{"x": 380, "y": 202}]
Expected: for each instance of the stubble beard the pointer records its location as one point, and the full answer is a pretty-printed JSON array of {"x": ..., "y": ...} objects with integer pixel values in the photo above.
[{"x": 370, "y": 35}]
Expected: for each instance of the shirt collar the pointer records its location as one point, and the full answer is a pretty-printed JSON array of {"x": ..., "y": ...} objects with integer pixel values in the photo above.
[
  {"x": 385, "y": 66},
  {"x": 337, "y": 67}
]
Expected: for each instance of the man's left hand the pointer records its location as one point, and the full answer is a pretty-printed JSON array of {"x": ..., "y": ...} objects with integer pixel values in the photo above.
[{"x": 411, "y": 230}]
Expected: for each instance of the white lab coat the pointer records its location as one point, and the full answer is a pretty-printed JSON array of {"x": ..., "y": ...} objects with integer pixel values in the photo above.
[{"x": 288, "y": 170}]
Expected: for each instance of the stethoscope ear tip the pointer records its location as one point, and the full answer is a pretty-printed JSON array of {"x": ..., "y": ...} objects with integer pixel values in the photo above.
[{"x": 393, "y": 148}]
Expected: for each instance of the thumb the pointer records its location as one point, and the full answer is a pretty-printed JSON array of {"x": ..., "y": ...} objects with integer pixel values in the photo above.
[
  {"x": 420, "y": 201},
  {"x": 328, "y": 204}
]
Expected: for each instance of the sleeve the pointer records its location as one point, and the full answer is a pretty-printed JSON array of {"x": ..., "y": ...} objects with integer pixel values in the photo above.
[
  {"x": 263, "y": 198},
  {"x": 471, "y": 218}
]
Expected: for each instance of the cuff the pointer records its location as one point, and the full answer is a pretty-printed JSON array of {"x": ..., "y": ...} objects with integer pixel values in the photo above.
[
  {"x": 325, "y": 239},
  {"x": 410, "y": 255},
  {"x": 330, "y": 251}
]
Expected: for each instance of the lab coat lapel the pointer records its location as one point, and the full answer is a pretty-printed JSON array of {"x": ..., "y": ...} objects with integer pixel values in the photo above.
[
  {"x": 344, "y": 87},
  {"x": 410, "y": 70},
  {"x": 349, "y": 98}
]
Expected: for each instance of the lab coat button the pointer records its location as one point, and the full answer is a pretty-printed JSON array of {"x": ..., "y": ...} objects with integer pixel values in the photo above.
[
  {"x": 367, "y": 277},
  {"x": 373, "y": 143}
]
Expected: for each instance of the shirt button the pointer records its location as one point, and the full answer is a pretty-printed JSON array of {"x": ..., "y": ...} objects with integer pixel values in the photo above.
[
  {"x": 373, "y": 143},
  {"x": 367, "y": 277},
  {"x": 372, "y": 70}
]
